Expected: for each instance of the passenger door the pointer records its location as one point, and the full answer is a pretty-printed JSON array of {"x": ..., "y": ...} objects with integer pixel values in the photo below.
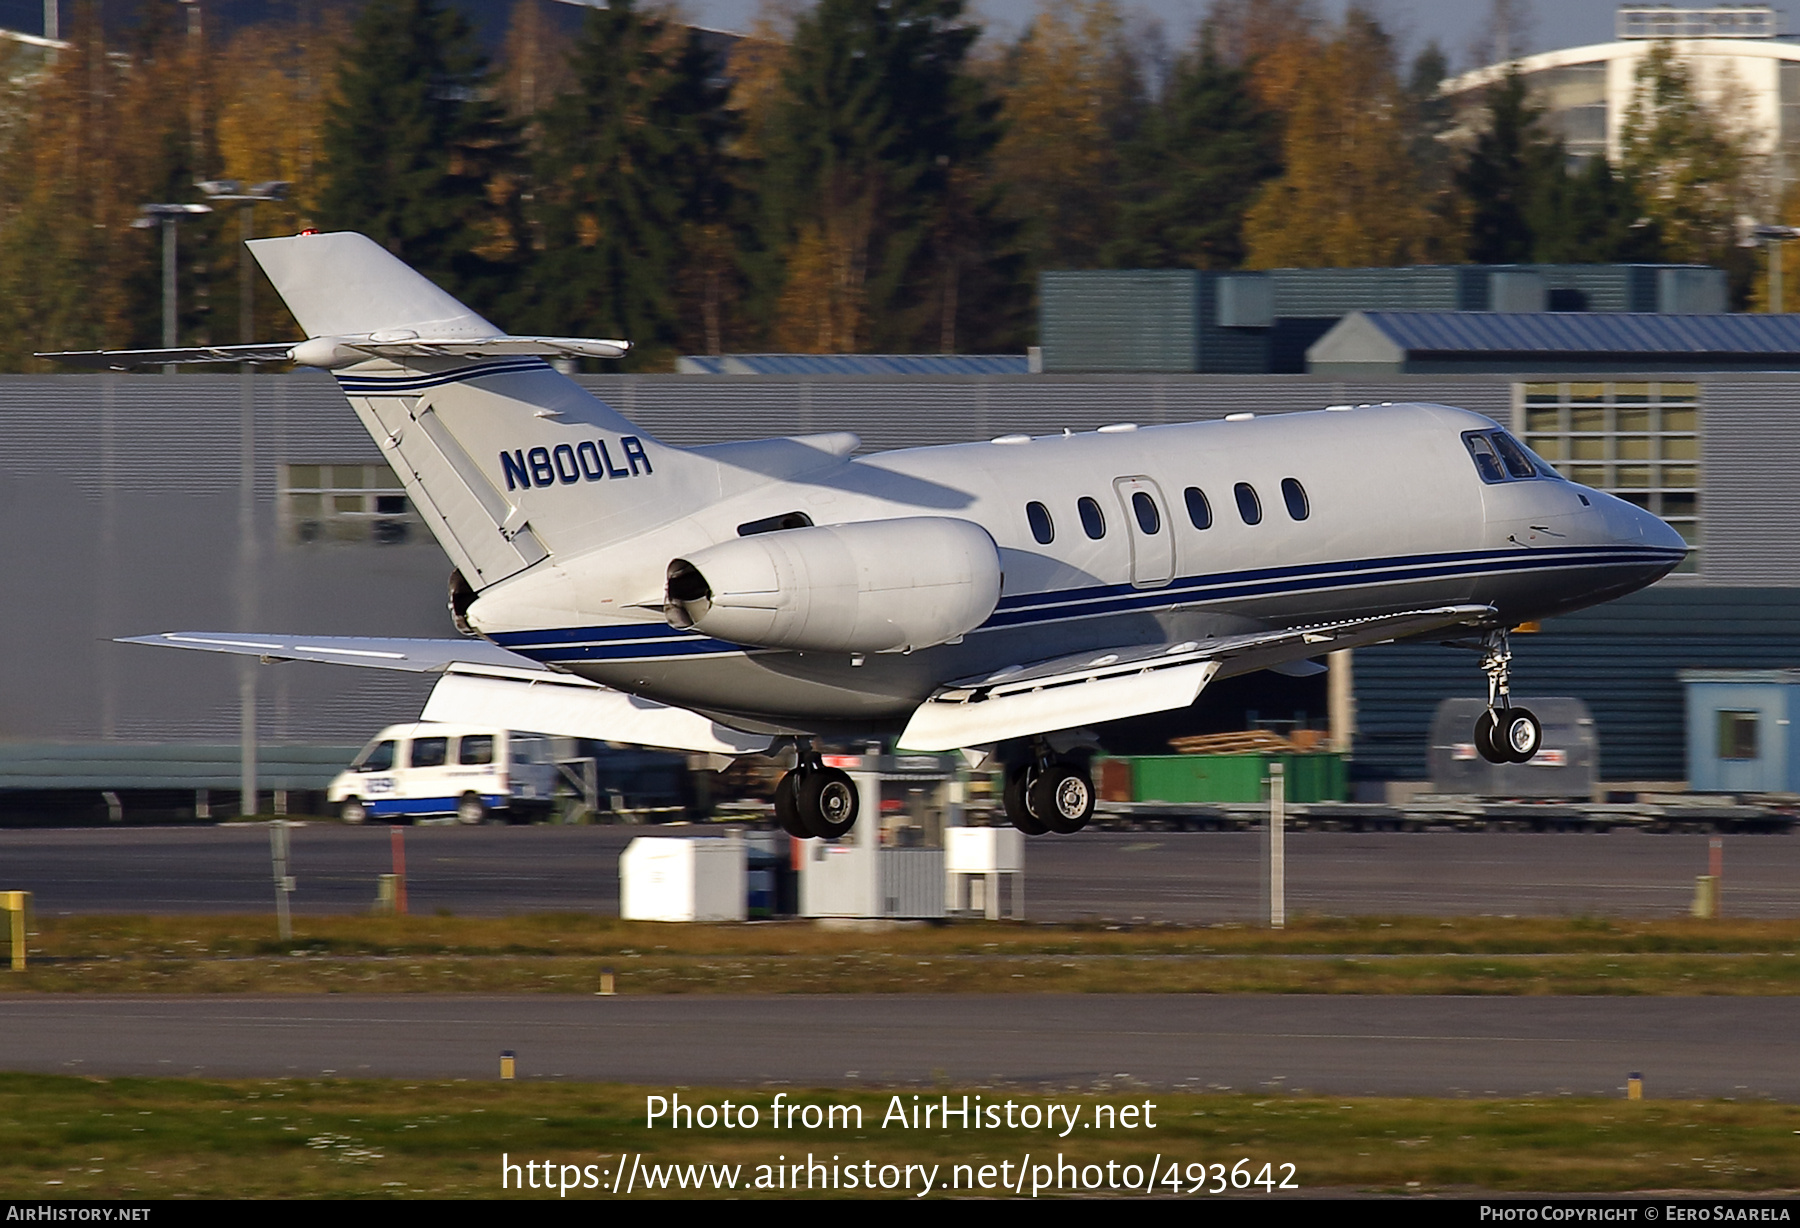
[{"x": 1147, "y": 526}]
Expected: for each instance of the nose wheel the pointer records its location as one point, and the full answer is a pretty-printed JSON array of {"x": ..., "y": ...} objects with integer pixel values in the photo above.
[
  {"x": 815, "y": 801},
  {"x": 1048, "y": 795},
  {"x": 1504, "y": 734}
]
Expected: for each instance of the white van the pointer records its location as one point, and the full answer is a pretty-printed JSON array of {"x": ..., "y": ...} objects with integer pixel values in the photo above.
[{"x": 469, "y": 771}]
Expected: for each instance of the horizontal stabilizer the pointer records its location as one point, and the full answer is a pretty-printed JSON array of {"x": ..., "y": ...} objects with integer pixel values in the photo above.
[
  {"x": 570, "y": 707},
  {"x": 413, "y": 656},
  {"x": 1112, "y": 684},
  {"x": 344, "y": 351}
]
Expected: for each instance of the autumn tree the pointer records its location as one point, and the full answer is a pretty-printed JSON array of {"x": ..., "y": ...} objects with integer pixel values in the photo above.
[
  {"x": 1349, "y": 194},
  {"x": 1689, "y": 160},
  {"x": 1071, "y": 99}
]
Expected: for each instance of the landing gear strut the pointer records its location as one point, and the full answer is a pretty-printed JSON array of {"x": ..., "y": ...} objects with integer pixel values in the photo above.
[
  {"x": 1048, "y": 794},
  {"x": 815, "y": 800},
  {"x": 1504, "y": 734}
]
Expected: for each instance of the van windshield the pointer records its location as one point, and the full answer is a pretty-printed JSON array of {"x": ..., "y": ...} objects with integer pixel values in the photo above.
[{"x": 376, "y": 757}]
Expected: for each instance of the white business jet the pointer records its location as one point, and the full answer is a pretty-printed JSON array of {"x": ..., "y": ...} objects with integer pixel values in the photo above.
[{"x": 995, "y": 597}]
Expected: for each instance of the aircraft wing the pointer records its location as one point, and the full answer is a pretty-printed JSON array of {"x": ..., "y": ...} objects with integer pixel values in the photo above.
[
  {"x": 1111, "y": 684},
  {"x": 122, "y": 360},
  {"x": 339, "y": 351},
  {"x": 484, "y": 684}
]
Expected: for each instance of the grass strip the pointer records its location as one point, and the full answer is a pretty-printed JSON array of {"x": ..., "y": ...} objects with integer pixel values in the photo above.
[
  {"x": 570, "y": 953},
  {"x": 160, "y": 1138}
]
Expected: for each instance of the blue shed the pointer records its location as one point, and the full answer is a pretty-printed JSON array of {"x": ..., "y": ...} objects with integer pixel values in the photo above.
[{"x": 1741, "y": 732}]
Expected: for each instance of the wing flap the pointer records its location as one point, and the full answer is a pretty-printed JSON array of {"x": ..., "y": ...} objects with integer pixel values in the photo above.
[
  {"x": 570, "y": 707},
  {"x": 1091, "y": 687}
]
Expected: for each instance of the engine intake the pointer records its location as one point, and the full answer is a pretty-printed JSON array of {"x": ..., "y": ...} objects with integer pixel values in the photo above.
[{"x": 874, "y": 586}]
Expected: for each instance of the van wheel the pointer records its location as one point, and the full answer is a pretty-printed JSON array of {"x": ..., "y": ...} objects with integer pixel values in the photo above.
[
  {"x": 471, "y": 809},
  {"x": 351, "y": 810}
]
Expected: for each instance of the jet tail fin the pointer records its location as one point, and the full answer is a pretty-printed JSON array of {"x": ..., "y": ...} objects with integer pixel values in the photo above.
[{"x": 348, "y": 285}]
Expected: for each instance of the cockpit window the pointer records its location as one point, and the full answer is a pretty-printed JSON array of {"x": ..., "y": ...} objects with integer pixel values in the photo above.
[
  {"x": 1501, "y": 458},
  {"x": 1518, "y": 462},
  {"x": 1486, "y": 463}
]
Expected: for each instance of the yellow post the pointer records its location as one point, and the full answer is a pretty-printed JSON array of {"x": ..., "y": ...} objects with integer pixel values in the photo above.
[
  {"x": 506, "y": 1064},
  {"x": 1706, "y": 896},
  {"x": 1634, "y": 1086},
  {"x": 16, "y": 903}
]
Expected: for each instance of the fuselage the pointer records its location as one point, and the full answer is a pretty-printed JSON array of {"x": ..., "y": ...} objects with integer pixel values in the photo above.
[{"x": 1119, "y": 537}]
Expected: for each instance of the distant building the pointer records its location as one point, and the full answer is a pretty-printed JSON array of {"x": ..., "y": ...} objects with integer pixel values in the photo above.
[
  {"x": 1732, "y": 52},
  {"x": 1173, "y": 321}
]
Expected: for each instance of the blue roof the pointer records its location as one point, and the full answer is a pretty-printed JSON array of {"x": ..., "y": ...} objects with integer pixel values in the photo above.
[
  {"x": 1570, "y": 333},
  {"x": 856, "y": 364}
]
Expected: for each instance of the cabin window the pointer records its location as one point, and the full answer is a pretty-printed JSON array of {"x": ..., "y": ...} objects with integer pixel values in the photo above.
[
  {"x": 1294, "y": 495},
  {"x": 1041, "y": 528},
  {"x": 430, "y": 752},
  {"x": 1092, "y": 522},
  {"x": 1144, "y": 508},
  {"x": 476, "y": 749},
  {"x": 1199, "y": 510},
  {"x": 1249, "y": 506}
]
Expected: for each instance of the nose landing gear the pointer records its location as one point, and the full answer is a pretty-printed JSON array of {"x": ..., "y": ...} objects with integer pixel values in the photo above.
[
  {"x": 814, "y": 800},
  {"x": 1048, "y": 794},
  {"x": 1504, "y": 734}
]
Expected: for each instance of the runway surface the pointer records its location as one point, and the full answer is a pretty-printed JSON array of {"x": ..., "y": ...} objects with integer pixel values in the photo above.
[
  {"x": 1339, "y": 1045},
  {"x": 1189, "y": 877}
]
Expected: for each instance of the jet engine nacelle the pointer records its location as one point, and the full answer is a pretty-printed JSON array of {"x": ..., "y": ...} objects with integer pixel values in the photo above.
[{"x": 874, "y": 586}]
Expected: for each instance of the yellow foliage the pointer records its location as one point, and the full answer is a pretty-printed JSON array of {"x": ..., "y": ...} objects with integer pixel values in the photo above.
[{"x": 1350, "y": 195}]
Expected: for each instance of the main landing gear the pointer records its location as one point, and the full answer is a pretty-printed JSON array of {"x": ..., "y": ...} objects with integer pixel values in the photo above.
[
  {"x": 815, "y": 800},
  {"x": 1048, "y": 794},
  {"x": 1504, "y": 734}
]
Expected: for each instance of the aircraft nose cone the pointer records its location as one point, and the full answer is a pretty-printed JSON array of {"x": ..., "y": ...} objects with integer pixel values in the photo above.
[{"x": 1661, "y": 547}]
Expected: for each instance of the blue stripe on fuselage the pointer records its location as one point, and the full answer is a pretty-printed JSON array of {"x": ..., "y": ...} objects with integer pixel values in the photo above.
[{"x": 650, "y": 641}]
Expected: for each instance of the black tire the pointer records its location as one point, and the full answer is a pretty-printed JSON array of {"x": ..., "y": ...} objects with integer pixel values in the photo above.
[
  {"x": 1062, "y": 799},
  {"x": 787, "y": 809},
  {"x": 1486, "y": 726},
  {"x": 1016, "y": 798},
  {"x": 827, "y": 802},
  {"x": 471, "y": 810},
  {"x": 353, "y": 811},
  {"x": 1519, "y": 735}
]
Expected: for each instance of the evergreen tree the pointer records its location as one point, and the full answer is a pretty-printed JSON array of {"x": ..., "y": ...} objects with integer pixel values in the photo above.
[
  {"x": 417, "y": 154},
  {"x": 1593, "y": 216},
  {"x": 1206, "y": 148},
  {"x": 631, "y": 186},
  {"x": 880, "y": 229},
  {"x": 1514, "y": 163}
]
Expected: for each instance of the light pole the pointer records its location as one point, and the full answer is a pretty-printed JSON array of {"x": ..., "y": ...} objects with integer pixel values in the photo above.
[
  {"x": 230, "y": 191},
  {"x": 1772, "y": 237},
  {"x": 167, "y": 216}
]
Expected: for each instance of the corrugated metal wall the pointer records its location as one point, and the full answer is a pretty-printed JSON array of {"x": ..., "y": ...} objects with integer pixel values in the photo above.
[
  {"x": 1750, "y": 503},
  {"x": 1119, "y": 320}
]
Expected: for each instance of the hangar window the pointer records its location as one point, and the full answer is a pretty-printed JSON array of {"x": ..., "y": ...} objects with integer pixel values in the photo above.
[
  {"x": 1737, "y": 735},
  {"x": 1249, "y": 506},
  {"x": 1144, "y": 508},
  {"x": 1092, "y": 522},
  {"x": 1041, "y": 528},
  {"x": 1199, "y": 510},
  {"x": 1639, "y": 441},
  {"x": 345, "y": 503},
  {"x": 1294, "y": 495}
]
